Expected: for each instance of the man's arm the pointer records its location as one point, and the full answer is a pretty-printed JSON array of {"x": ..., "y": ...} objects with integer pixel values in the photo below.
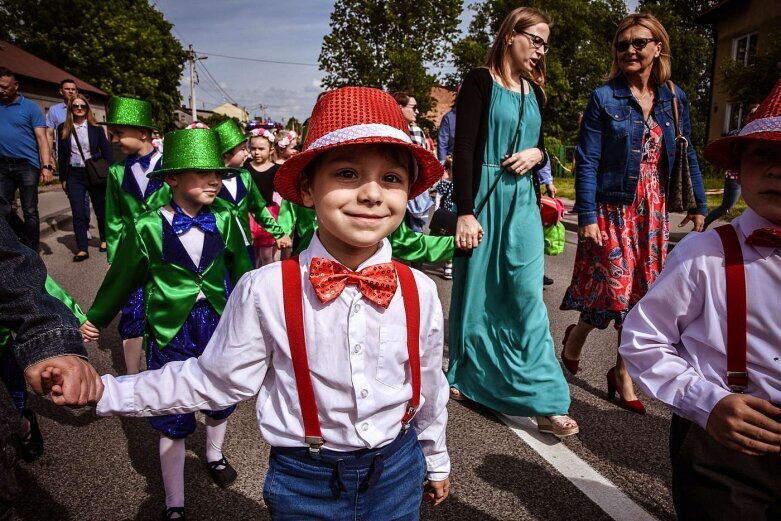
[{"x": 45, "y": 153}]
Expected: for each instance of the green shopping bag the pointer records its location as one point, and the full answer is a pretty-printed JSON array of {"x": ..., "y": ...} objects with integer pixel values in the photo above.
[{"x": 554, "y": 239}]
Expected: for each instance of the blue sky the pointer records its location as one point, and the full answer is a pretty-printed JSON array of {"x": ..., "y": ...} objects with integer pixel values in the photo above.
[{"x": 262, "y": 30}]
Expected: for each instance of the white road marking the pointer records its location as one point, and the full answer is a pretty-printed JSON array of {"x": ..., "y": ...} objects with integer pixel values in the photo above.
[{"x": 594, "y": 485}]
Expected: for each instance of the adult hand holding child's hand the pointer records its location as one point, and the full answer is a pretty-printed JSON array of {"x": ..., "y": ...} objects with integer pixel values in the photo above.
[
  {"x": 435, "y": 492},
  {"x": 70, "y": 379},
  {"x": 743, "y": 423}
]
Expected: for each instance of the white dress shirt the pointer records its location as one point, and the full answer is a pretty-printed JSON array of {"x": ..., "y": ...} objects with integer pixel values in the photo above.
[
  {"x": 192, "y": 241},
  {"x": 230, "y": 186},
  {"x": 140, "y": 174},
  {"x": 83, "y": 134},
  {"x": 358, "y": 361},
  {"x": 674, "y": 339}
]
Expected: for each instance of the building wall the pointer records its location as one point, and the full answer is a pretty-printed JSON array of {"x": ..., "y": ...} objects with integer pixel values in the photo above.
[
  {"x": 737, "y": 20},
  {"x": 47, "y": 94},
  {"x": 232, "y": 111},
  {"x": 445, "y": 99}
]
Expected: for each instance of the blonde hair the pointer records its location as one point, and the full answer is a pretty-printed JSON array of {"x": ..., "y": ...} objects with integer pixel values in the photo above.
[
  {"x": 68, "y": 126},
  {"x": 662, "y": 67},
  {"x": 517, "y": 21}
]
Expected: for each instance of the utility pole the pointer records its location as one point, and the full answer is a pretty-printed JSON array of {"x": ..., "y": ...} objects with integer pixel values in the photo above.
[{"x": 192, "y": 58}]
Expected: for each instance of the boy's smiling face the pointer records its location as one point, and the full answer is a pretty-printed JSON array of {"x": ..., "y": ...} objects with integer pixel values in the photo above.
[
  {"x": 760, "y": 178},
  {"x": 132, "y": 140},
  {"x": 235, "y": 157},
  {"x": 194, "y": 188},
  {"x": 360, "y": 194}
]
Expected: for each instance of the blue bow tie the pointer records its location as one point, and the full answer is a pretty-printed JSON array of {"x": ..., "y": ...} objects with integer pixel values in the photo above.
[
  {"x": 144, "y": 161},
  {"x": 182, "y": 222}
]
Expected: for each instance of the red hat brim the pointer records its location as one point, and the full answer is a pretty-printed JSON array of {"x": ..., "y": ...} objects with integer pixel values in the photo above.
[
  {"x": 287, "y": 182},
  {"x": 723, "y": 153}
]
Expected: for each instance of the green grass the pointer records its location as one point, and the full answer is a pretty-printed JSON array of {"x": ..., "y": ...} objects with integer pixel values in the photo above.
[{"x": 566, "y": 186}]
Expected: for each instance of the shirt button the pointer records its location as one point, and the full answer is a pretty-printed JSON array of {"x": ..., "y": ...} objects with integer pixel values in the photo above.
[
  {"x": 667, "y": 124},
  {"x": 364, "y": 393},
  {"x": 357, "y": 348},
  {"x": 356, "y": 308},
  {"x": 365, "y": 427}
]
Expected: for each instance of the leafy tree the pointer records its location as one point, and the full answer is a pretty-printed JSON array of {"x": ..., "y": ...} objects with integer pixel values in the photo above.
[
  {"x": 578, "y": 61},
  {"x": 215, "y": 118},
  {"x": 387, "y": 44},
  {"x": 125, "y": 47},
  {"x": 293, "y": 124},
  {"x": 751, "y": 82}
]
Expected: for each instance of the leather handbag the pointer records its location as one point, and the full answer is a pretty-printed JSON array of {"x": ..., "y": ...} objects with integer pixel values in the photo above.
[
  {"x": 97, "y": 167},
  {"x": 680, "y": 196}
]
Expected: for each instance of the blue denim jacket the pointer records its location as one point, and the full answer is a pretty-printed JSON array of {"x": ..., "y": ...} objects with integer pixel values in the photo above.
[{"x": 609, "y": 147}]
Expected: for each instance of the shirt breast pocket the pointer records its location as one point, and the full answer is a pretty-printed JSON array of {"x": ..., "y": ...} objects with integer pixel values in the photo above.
[
  {"x": 618, "y": 121},
  {"x": 392, "y": 357}
]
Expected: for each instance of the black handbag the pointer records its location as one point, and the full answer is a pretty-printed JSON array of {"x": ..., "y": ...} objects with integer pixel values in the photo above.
[
  {"x": 96, "y": 167},
  {"x": 444, "y": 222},
  {"x": 680, "y": 196}
]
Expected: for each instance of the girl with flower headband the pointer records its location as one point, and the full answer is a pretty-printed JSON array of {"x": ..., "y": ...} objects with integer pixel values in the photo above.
[
  {"x": 262, "y": 168},
  {"x": 285, "y": 146}
]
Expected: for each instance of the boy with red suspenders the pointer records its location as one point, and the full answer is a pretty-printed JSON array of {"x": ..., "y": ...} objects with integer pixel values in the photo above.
[
  {"x": 343, "y": 345},
  {"x": 706, "y": 340}
]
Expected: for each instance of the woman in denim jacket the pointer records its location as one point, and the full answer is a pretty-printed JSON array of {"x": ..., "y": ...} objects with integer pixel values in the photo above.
[{"x": 625, "y": 152}]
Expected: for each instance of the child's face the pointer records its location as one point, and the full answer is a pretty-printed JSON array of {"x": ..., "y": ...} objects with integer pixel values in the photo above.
[
  {"x": 236, "y": 156},
  {"x": 259, "y": 149},
  {"x": 760, "y": 178},
  {"x": 359, "y": 193},
  {"x": 195, "y": 187},
  {"x": 289, "y": 151},
  {"x": 131, "y": 139}
]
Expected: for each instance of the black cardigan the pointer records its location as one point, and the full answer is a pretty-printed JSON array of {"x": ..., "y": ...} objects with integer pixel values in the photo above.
[{"x": 474, "y": 99}]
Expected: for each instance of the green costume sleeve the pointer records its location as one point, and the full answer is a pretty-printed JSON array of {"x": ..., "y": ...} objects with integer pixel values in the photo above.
[
  {"x": 257, "y": 207},
  {"x": 128, "y": 272},
  {"x": 305, "y": 225},
  {"x": 287, "y": 217},
  {"x": 114, "y": 223},
  {"x": 236, "y": 259},
  {"x": 412, "y": 246},
  {"x": 58, "y": 292}
]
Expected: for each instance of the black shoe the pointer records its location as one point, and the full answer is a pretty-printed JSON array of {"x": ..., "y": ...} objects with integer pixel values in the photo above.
[
  {"x": 102, "y": 249},
  {"x": 32, "y": 442},
  {"x": 79, "y": 258},
  {"x": 170, "y": 513},
  {"x": 546, "y": 281},
  {"x": 221, "y": 472}
]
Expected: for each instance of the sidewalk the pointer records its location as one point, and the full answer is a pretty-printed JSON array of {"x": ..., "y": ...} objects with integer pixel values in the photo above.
[{"x": 676, "y": 234}]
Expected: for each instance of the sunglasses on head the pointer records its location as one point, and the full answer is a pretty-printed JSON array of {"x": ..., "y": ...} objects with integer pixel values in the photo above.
[
  {"x": 638, "y": 43},
  {"x": 79, "y": 106}
]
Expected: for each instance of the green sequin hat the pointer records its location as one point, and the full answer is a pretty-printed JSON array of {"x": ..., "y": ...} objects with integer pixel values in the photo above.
[
  {"x": 129, "y": 112},
  {"x": 192, "y": 149},
  {"x": 230, "y": 134}
]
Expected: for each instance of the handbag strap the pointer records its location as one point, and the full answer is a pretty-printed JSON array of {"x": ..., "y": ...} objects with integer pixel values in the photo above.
[
  {"x": 521, "y": 108},
  {"x": 671, "y": 86}
]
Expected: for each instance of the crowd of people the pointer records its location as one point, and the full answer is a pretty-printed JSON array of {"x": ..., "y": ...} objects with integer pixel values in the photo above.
[{"x": 253, "y": 262}]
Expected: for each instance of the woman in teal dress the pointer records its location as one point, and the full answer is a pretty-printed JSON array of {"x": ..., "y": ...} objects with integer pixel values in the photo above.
[{"x": 501, "y": 350}]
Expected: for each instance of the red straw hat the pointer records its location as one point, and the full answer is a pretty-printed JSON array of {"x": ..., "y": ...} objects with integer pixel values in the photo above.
[
  {"x": 351, "y": 116},
  {"x": 764, "y": 125}
]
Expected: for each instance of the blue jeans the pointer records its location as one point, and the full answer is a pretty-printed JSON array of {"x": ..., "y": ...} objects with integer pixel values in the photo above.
[
  {"x": 728, "y": 200},
  {"x": 299, "y": 487},
  {"x": 78, "y": 189},
  {"x": 23, "y": 177}
]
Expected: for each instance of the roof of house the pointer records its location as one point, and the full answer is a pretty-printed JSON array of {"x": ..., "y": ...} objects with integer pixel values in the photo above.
[{"x": 23, "y": 63}]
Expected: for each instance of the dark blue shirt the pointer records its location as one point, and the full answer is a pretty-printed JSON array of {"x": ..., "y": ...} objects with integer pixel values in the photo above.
[{"x": 18, "y": 121}]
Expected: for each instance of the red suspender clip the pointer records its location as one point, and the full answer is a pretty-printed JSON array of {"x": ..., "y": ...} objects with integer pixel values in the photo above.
[
  {"x": 737, "y": 374},
  {"x": 292, "y": 297}
]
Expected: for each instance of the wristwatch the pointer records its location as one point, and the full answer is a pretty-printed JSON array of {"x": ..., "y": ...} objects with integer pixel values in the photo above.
[{"x": 48, "y": 167}]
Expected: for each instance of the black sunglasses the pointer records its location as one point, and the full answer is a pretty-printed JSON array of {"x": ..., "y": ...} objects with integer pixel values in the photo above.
[
  {"x": 638, "y": 43},
  {"x": 78, "y": 106}
]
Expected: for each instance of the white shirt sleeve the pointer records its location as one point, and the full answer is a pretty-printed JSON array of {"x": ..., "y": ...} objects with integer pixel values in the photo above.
[
  {"x": 231, "y": 368},
  {"x": 651, "y": 343}
]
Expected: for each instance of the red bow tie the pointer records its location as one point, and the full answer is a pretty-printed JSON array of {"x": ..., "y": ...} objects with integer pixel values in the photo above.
[
  {"x": 768, "y": 237},
  {"x": 377, "y": 282}
]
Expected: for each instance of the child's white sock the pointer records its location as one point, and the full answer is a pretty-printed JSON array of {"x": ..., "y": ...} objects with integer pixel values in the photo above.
[
  {"x": 172, "y": 465},
  {"x": 215, "y": 436}
]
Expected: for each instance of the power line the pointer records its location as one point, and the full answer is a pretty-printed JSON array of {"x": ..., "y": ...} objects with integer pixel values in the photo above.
[
  {"x": 257, "y": 59},
  {"x": 217, "y": 84}
]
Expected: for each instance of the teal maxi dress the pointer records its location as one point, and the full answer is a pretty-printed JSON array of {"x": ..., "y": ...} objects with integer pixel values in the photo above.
[{"x": 501, "y": 350}]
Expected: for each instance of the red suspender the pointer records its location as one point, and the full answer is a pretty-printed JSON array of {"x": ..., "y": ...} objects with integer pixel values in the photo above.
[
  {"x": 294, "y": 320},
  {"x": 409, "y": 292},
  {"x": 292, "y": 296},
  {"x": 737, "y": 375}
]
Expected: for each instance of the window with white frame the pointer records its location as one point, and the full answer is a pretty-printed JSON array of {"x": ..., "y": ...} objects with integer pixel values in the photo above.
[{"x": 744, "y": 48}]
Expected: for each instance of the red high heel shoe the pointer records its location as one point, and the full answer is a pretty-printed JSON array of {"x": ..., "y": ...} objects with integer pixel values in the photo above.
[
  {"x": 630, "y": 405},
  {"x": 570, "y": 364}
]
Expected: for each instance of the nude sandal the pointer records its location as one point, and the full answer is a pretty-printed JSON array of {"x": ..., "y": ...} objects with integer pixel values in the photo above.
[{"x": 559, "y": 425}]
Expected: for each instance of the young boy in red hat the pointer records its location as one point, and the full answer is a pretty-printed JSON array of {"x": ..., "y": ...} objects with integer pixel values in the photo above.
[
  {"x": 343, "y": 345},
  {"x": 697, "y": 343}
]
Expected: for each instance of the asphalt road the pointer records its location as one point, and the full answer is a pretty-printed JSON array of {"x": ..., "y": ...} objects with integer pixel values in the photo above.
[{"x": 107, "y": 468}]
